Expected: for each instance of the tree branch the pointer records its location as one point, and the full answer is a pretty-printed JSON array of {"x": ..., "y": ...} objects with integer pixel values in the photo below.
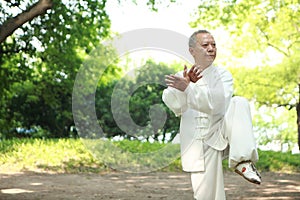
[
  {"x": 14, "y": 50},
  {"x": 286, "y": 105},
  {"x": 12, "y": 4},
  {"x": 271, "y": 45},
  {"x": 8, "y": 27},
  {"x": 278, "y": 49}
]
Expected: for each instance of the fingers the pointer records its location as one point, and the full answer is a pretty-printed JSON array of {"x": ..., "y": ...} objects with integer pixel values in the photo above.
[
  {"x": 195, "y": 73},
  {"x": 185, "y": 71},
  {"x": 170, "y": 80},
  {"x": 185, "y": 68},
  {"x": 193, "y": 68},
  {"x": 177, "y": 82},
  {"x": 198, "y": 73}
]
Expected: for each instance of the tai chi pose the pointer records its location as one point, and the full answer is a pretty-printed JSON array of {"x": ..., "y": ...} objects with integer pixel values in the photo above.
[{"x": 214, "y": 125}]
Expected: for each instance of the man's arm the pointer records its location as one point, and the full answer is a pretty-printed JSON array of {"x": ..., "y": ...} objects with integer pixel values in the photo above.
[
  {"x": 175, "y": 100},
  {"x": 174, "y": 96},
  {"x": 211, "y": 94}
]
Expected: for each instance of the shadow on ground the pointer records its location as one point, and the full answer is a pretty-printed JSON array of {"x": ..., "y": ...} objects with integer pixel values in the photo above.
[{"x": 152, "y": 186}]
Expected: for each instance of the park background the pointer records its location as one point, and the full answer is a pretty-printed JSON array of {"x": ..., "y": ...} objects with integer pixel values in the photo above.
[{"x": 44, "y": 43}]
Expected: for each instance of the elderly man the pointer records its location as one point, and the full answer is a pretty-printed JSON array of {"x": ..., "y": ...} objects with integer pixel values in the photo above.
[{"x": 214, "y": 125}]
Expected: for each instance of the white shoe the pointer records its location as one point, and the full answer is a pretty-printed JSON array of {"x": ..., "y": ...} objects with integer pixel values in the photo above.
[{"x": 247, "y": 170}]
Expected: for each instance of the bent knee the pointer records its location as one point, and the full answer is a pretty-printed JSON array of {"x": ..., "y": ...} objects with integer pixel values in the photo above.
[{"x": 240, "y": 100}]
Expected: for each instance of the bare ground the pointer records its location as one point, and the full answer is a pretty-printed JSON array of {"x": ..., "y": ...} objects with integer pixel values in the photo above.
[{"x": 150, "y": 186}]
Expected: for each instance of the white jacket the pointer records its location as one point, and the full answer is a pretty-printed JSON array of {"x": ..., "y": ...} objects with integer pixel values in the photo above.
[{"x": 202, "y": 107}]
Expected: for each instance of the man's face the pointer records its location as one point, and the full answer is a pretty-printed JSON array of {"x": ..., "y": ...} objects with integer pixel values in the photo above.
[{"x": 205, "y": 51}]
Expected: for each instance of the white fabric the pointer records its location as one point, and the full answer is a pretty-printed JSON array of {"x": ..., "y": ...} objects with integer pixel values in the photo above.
[
  {"x": 239, "y": 132},
  {"x": 202, "y": 107},
  {"x": 211, "y": 120},
  {"x": 209, "y": 185}
]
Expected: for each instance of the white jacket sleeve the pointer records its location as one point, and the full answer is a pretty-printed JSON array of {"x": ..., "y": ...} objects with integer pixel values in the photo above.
[
  {"x": 199, "y": 97},
  {"x": 175, "y": 100},
  {"x": 211, "y": 94}
]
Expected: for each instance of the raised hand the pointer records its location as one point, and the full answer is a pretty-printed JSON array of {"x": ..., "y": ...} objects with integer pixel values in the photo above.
[
  {"x": 178, "y": 82},
  {"x": 194, "y": 73}
]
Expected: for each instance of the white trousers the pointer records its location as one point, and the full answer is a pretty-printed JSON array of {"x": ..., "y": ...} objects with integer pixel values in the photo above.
[{"x": 209, "y": 185}]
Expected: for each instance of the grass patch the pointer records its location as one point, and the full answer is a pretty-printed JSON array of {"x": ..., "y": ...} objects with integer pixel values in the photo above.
[
  {"x": 279, "y": 162},
  {"x": 55, "y": 155},
  {"x": 72, "y": 156}
]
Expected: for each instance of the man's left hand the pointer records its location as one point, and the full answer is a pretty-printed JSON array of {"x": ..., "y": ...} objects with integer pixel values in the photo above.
[{"x": 194, "y": 73}]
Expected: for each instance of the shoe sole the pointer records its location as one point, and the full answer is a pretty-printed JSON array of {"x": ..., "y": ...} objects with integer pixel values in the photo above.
[{"x": 250, "y": 180}]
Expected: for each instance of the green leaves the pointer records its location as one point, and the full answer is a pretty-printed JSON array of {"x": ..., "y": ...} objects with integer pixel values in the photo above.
[
  {"x": 72, "y": 156},
  {"x": 256, "y": 24},
  {"x": 132, "y": 106},
  {"x": 39, "y": 62},
  {"x": 255, "y": 28},
  {"x": 269, "y": 85}
]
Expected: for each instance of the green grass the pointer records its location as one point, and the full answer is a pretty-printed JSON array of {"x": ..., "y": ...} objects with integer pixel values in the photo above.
[
  {"x": 57, "y": 155},
  {"x": 279, "y": 162},
  {"x": 72, "y": 156}
]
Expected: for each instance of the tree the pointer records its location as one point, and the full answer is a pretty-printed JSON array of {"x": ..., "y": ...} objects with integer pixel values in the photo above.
[
  {"x": 267, "y": 88},
  {"x": 37, "y": 9},
  {"x": 256, "y": 26},
  {"x": 133, "y": 105},
  {"x": 42, "y": 46},
  {"x": 147, "y": 106},
  {"x": 28, "y": 11},
  {"x": 40, "y": 59}
]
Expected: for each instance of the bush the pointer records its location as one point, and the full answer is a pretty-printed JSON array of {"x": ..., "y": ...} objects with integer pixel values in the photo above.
[{"x": 75, "y": 156}]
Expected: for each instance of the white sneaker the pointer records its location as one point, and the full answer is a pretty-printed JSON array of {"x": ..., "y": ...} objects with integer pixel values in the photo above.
[{"x": 247, "y": 170}]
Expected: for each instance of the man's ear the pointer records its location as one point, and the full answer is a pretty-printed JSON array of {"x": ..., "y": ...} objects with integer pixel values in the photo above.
[{"x": 192, "y": 51}]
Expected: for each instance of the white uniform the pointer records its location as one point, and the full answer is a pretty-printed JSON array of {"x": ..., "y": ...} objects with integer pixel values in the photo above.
[{"x": 210, "y": 120}]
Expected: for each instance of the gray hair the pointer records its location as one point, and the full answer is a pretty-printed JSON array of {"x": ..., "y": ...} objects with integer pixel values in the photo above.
[{"x": 193, "y": 39}]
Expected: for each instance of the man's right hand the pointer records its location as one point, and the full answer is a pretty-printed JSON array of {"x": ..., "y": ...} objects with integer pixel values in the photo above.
[{"x": 177, "y": 82}]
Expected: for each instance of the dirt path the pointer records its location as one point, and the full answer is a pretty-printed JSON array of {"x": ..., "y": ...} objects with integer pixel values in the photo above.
[{"x": 151, "y": 186}]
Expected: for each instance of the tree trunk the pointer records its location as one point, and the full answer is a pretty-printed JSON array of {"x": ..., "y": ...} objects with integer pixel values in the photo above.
[
  {"x": 9, "y": 26},
  {"x": 298, "y": 118},
  {"x": 298, "y": 123}
]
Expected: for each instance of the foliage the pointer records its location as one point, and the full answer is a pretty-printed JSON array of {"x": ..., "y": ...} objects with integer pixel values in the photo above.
[
  {"x": 59, "y": 155},
  {"x": 94, "y": 83},
  {"x": 133, "y": 156},
  {"x": 147, "y": 99},
  {"x": 269, "y": 85},
  {"x": 71, "y": 156},
  {"x": 258, "y": 28},
  {"x": 39, "y": 63},
  {"x": 40, "y": 58},
  {"x": 268, "y": 123},
  {"x": 278, "y": 162},
  {"x": 270, "y": 88},
  {"x": 271, "y": 161},
  {"x": 154, "y": 4},
  {"x": 132, "y": 106},
  {"x": 254, "y": 24}
]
